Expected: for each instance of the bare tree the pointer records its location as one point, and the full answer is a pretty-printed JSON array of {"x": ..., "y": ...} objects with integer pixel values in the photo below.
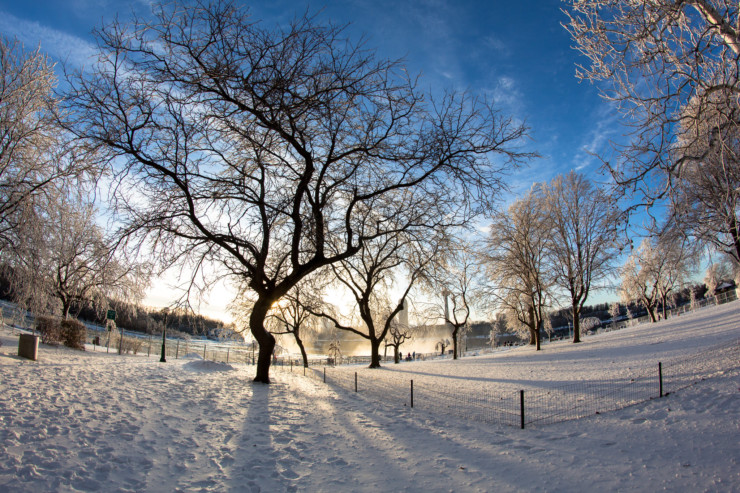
[
  {"x": 442, "y": 344},
  {"x": 516, "y": 263},
  {"x": 650, "y": 58},
  {"x": 291, "y": 315},
  {"x": 584, "y": 221},
  {"x": 401, "y": 331},
  {"x": 456, "y": 278},
  {"x": 60, "y": 259},
  {"x": 264, "y": 150},
  {"x": 370, "y": 276}
]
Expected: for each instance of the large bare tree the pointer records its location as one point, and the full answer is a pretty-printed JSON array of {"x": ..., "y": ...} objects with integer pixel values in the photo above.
[
  {"x": 265, "y": 149},
  {"x": 651, "y": 58},
  {"x": 584, "y": 221},
  {"x": 517, "y": 264}
]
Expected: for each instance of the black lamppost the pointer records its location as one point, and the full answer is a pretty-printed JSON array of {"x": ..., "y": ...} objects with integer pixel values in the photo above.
[{"x": 163, "y": 359}]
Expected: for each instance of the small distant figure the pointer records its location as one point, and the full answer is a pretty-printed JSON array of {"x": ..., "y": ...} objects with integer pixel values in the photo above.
[{"x": 413, "y": 356}]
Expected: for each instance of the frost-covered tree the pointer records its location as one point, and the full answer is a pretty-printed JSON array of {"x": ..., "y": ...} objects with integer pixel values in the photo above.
[
  {"x": 614, "y": 313},
  {"x": 716, "y": 273},
  {"x": 584, "y": 221},
  {"x": 60, "y": 259},
  {"x": 654, "y": 270},
  {"x": 276, "y": 152},
  {"x": 706, "y": 193},
  {"x": 516, "y": 263},
  {"x": 651, "y": 58},
  {"x": 32, "y": 154}
]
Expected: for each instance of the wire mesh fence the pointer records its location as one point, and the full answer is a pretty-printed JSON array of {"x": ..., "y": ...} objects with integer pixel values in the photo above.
[{"x": 538, "y": 406}]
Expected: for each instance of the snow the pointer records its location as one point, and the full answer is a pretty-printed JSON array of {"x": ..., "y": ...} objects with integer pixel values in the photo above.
[{"x": 92, "y": 421}]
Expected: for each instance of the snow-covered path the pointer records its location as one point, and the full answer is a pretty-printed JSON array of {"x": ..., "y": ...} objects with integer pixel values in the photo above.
[{"x": 96, "y": 422}]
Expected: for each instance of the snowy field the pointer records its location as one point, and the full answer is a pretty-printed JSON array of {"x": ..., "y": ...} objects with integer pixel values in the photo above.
[{"x": 92, "y": 421}]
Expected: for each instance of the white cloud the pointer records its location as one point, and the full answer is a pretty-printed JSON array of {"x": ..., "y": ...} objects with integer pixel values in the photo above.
[{"x": 57, "y": 44}]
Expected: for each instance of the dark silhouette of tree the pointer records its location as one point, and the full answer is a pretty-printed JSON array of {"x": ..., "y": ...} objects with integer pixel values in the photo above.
[{"x": 264, "y": 150}]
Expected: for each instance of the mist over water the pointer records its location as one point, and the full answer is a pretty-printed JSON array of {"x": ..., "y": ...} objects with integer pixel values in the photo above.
[{"x": 353, "y": 345}]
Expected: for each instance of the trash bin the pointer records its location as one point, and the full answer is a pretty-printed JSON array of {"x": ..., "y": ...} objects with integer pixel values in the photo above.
[{"x": 28, "y": 346}]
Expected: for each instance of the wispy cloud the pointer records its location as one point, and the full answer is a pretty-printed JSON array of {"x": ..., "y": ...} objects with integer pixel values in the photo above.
[
  {"x": 57, "y": 44},
  {"x": 595, "y": 142}
]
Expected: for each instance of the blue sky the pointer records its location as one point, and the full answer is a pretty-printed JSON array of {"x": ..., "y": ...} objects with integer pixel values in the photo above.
[{"x": 515, "y": 52}]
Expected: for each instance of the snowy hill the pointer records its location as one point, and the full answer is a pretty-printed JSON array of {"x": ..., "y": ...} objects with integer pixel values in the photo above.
[{"x": 101, "y": 422}]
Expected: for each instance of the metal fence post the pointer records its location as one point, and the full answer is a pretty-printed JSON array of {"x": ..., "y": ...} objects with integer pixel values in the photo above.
[
  {"x": 355, "y": 381},
  {"x": 324, "y": 374},
  {"x": 660, "y": 377},
  {"x": 412, "y": 393},
  {"x": 521, "y": 406},
  {"x": 204, "y": 350}
]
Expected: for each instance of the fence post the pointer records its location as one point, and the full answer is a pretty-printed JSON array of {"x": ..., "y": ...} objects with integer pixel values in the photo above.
[
  {"x": 324, "y": 374},
  {"x": 291, "y": 365},
  {"x": 177, "y": 349},
  {"x": 660, "y": 377},
  {"x": 521, "y": 406},
  {"x": 228, "y": 348},
  {"x": 412, "y": 393},
  {"x": 355, "y": 381},
  {"x": 149, "y": 349},
  {"x": 204, "y": 350}
]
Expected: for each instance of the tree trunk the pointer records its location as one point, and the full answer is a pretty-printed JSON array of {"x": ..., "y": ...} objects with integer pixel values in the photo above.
[
  {"x": 538, "y": 335},
  {"x": 664, "y": 307},
  {"x": 299, "y": 341},
  {"x": 651, "y": 312},
  {"x": 454, "y": 341},
  {"x": 396, "y": 356},
  {"x": 375, "y": 353},
  {"x": 576, "y": 325},
  {"x": 265, "y": 340}
]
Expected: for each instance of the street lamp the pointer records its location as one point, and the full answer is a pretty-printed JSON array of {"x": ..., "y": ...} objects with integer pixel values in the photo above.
[{"x": 162, "y": 358}]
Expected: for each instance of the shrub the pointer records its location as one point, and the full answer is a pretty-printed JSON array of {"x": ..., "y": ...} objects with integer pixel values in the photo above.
[
  {"x": 50, "y": 330},
  {"x": 126, "y": 344},
  {"x": 74, "y": 334}
]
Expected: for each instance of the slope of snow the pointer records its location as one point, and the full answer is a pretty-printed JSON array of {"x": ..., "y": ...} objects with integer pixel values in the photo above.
[{"x": 92, "y": 421}]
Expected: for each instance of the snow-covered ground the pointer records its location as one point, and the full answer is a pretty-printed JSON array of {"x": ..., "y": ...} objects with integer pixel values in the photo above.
[{"x": 92, "y": 421}]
